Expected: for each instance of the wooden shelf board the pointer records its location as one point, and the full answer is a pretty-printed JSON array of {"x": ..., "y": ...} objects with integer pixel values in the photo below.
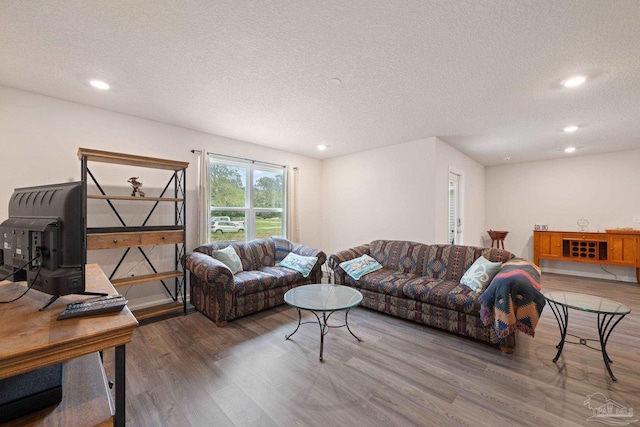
[
  {"x": 145, "y": 278},
  {"x": 157, "y": 310},
  {"x": 137, "y": 199},
  {"x": 130, "y": 160}
]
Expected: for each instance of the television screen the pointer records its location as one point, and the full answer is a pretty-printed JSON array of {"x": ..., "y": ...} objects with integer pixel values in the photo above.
[{"x": 43, "y": 238}]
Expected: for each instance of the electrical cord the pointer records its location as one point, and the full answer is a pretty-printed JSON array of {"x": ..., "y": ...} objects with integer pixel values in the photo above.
[
  {"x": 611, "y": 273},
  {"x": 38, "y": 255}
]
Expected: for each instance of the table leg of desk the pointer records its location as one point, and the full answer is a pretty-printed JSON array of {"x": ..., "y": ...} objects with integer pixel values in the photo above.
[{"x": 120, "y": 386}]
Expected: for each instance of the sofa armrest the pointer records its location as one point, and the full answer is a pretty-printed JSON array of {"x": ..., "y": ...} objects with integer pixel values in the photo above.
[
  {"x": 207, "y": 268},
  {"x": 342, "y": 256},
  {"x": 316, "y": 272},
  {"x": 211, "y": 284}
]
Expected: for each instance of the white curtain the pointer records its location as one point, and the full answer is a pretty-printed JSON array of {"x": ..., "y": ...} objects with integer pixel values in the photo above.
[
  {"x": 203, "y": 198},
  {"x": 293, "y": 224}
]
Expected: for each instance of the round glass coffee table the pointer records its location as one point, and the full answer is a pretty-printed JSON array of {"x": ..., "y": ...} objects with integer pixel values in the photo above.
[
  {"x": 323, "y": 300},
  {"x": 607, "y": 310}
]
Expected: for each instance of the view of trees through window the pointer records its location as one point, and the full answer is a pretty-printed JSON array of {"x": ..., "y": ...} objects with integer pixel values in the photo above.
[{"x": 242, "y": 212}]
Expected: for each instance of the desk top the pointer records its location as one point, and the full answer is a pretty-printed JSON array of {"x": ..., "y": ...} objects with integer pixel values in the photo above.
[{"x": 31, "y": 339}]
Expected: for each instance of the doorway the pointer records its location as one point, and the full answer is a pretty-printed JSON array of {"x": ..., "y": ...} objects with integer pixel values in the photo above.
[{"x": 455, "y": 215}]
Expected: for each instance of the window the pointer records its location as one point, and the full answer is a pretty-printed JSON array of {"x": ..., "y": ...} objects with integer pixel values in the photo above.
[{"x": 246, "y": 200}]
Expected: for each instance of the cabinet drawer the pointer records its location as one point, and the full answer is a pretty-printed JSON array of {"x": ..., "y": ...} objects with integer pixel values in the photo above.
[
  {"x": 593, "y": 237},
  {"x": 149, "y": 238},
  {"x": 112, "y": 240}
]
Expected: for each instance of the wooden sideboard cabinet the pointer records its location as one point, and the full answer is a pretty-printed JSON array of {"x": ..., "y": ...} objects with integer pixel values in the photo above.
[{"x": 614, "y": 247}]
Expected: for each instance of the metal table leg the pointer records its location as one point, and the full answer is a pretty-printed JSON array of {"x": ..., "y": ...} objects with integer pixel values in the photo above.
[
  {"x": 604, "y": 331},
  {"x": 563, "y": 322},
  {"x": 120, "y": 386},
  {"x": 298, "y": 327},
  {"x": 605, "y": 327},
  {"x": 324, "y": 326}
]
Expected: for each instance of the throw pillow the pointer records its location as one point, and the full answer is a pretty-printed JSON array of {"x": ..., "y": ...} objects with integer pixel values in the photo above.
[
  {"x": 230, "y": 258},
  {"x": 480, "y": 274},
  {"x": 302, "y": 264},
  {"x": 358, "y": 267}
]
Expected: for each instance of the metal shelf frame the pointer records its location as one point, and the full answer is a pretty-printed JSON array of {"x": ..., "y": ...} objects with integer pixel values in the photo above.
[{"x": 173, "y": 192}]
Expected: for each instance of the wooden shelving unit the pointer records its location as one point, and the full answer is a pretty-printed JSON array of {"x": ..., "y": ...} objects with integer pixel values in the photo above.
[{"x": 126, "y": 237}]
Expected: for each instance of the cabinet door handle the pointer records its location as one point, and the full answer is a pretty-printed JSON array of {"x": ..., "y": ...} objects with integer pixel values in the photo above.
[{"x": 115, "y": 241}]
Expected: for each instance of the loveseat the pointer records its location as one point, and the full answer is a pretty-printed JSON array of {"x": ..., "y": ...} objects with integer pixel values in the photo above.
[
  {"x": 222, "y": 296},
  {"x": 421, "y": 282}
]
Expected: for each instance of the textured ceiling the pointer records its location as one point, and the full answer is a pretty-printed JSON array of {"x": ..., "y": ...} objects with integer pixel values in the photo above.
[{"x": 482, "y": 75}]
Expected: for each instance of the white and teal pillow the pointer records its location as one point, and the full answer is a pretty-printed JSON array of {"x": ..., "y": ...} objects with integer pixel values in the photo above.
[
  {"x": 480, "y": 274},
  {"x": 302, "y": 264},
  {"x": 230, "y": 258},
  {"x": 358, "y": 267}
]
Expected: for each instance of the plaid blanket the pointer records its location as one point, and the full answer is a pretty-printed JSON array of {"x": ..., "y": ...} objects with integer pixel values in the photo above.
[{"x": 513, "y": 300}]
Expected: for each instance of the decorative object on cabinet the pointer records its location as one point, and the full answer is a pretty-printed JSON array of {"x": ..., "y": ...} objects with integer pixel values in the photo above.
[
  {"x": 583, "y": 224},
  {"x": 126, "y": 237},
  {"x": 497, "y": 237},
  {"x": 615, "y": 247}
]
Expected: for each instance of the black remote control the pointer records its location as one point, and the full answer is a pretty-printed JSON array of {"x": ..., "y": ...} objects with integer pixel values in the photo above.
[{"x": 91, "y": 307}]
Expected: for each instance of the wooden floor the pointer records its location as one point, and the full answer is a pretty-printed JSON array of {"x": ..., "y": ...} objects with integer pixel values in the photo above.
[{"x": 185, "y": 371}]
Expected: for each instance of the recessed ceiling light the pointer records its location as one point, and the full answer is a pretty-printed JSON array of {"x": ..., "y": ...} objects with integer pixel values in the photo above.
[
  {"x": 99, "y": 84},
  {"x": 321, "y": 147},
  {"x": 574, "y": 81},
  {"x": 570, "y": 149},
  {"x": 570, "y": 129}
]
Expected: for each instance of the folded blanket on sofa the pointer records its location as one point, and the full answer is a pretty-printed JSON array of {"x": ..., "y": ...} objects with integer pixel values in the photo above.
[{"x": 513, "y": 300}]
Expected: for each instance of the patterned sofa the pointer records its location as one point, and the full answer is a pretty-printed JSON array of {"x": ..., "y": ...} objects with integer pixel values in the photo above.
[
  {"x": 222, "y": 296},
  {"x": 421, "y": 283}
]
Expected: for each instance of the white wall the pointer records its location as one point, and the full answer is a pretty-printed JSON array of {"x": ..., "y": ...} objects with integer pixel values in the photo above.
[
  {"x": 601, "y": 188},
  {"x": 398, "y": 192},
  {"x": 40, "y": 137},
  {"x": 472, "y": 191}
]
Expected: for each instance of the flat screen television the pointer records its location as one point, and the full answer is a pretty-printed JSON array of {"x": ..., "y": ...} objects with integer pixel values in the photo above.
[{"x": 43, "y": 240}]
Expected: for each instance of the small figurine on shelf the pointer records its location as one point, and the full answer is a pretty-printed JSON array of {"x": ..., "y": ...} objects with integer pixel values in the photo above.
[{"x": 135, "y": 185}]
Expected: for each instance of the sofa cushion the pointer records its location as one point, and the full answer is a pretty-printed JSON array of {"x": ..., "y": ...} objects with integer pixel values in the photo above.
[
  {"x": 407, "y": 257},
  {"x": 479, "y": 275},
  {"x": 444, "y": 293},
  {"x": 285, "y": 276},
  {"x": 249, "y": 282},
  {"x": 450, "y": 262},
  {"x": 299, "y": 263},
  {"x": 385, "y": 281},
  {"x": 282, "y": 248},
  {"x": 256, "y": 253},
  {"x": 230, "y": 258},
  {"x": 358, "y": 267}
]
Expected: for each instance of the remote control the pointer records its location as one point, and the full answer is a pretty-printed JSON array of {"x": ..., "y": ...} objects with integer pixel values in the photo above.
[{"x": 91, "y": 307}]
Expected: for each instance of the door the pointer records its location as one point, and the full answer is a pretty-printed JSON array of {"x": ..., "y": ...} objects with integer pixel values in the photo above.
[{"x": 455, "y": 217}]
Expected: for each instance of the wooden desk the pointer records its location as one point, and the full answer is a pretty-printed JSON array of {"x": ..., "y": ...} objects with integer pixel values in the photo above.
[
  {"x": 33, "y": 339},
  {"x": 611, "y": 248}
]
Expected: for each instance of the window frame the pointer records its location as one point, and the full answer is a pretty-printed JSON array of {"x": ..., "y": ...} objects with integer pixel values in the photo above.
[{"x": 250, "y": 166}]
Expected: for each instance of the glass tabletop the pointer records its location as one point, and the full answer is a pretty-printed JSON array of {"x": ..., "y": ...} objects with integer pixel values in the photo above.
[
  {"x": 323, "y": 297},
  {"x": 586, "y": 302}
]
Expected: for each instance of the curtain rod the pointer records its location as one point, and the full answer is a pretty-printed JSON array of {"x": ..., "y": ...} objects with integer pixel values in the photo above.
[{"x": 241, "y": 158}]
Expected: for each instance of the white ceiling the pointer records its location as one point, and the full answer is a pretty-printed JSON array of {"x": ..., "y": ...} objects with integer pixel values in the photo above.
[{"x": 482, "y": 75}]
